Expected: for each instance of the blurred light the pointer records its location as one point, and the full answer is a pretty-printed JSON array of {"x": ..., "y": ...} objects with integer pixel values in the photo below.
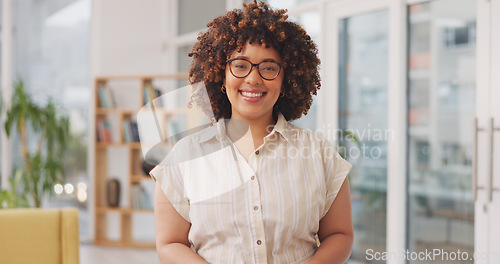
[
  {"x": 58, "y": 188},
  {"x": 82, "y": 186},
  {"x": 69, "y": 188},
  {"x": 81, "y": 195}
]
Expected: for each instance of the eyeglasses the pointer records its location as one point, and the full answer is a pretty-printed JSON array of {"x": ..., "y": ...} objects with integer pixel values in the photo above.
[{"x": 241, "y": 68}]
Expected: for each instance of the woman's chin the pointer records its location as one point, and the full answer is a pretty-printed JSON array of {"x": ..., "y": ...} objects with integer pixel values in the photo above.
[{"x": 253, "y": 114}]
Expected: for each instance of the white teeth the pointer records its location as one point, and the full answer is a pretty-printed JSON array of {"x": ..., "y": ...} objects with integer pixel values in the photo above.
[{"x": 247, "y": 94}]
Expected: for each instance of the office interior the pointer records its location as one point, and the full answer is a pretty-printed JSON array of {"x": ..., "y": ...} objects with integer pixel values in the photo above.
[{"x": 415, "y": 81}]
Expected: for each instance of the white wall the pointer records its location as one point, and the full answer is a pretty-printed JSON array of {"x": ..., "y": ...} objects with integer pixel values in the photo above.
[{"x": 128, "y": 37}]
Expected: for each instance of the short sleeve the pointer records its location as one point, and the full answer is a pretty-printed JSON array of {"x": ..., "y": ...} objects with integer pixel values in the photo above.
[
  {"x": 336, "y": 170},
  {"x": 168, "y": 175}
]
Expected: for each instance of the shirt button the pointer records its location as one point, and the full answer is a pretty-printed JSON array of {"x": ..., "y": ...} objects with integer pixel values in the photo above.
[
  {"x": 257, "y": 152},
  {"x": 256, "y": 208},
  {"x": 252, "y": 178},
  {"x": 259, "y": 242}
]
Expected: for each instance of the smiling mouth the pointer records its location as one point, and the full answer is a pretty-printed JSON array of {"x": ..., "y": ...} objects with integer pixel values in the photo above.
[{"x": 252, "y": 95}]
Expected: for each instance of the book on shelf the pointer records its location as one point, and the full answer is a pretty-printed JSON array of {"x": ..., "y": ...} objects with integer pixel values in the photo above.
[
  {"x": 148, "y": 185},
  {"x": 150, "y": 94},
  {"x": 104, "y": 131},
  {"x": 106, "y": 97},
  {"x": 102, "y": 97},
  {"x": 127, "y": 131},
  {"x": 130, "y": 131},
  {"x": 135, "y": 131},
  {"x": 141, "y": 198}
]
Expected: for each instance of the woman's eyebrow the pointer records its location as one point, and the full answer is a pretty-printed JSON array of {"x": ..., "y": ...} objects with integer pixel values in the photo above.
[
  {"x": 270, "y": 59},
  {"x": 246, "y": 58}
]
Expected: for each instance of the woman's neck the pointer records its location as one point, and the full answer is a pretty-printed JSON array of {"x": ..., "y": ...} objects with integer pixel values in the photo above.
[{"x": 255, "y": 129}]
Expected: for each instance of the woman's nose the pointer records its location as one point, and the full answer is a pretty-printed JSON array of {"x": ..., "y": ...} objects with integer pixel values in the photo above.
[{"x": 254, "y": 77}]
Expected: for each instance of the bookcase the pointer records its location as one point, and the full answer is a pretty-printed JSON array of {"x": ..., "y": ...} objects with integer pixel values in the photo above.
[{"x": 119, "y": 155}]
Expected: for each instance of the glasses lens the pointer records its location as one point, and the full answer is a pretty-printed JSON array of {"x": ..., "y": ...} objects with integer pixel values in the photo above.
[
  {"x": 240, "y": 68},
  {"x": 269, "y": 69}
]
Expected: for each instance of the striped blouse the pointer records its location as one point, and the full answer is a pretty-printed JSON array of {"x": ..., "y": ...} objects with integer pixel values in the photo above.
[{"x": 266, "y": 210}]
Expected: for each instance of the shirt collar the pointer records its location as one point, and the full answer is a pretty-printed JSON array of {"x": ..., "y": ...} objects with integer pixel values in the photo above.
[
  {"x": 282, "y": 127},
  {"x": 218, "y": 130}
]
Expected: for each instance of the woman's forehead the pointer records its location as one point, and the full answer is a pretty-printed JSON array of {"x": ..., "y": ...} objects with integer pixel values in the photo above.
[{"x": 256, "y": 51}]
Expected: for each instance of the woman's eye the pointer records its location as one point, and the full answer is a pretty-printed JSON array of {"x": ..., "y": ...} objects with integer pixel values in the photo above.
[
  {"x": 240, "y": 66},
  {"x": 269, "y": 69}
]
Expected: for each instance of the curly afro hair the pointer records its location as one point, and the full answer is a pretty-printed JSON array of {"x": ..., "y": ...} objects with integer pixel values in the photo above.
[{"x": 256, "y": 23}]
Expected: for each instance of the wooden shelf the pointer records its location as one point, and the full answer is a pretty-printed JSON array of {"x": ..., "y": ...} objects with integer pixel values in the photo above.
[
  {"x": 137, "y": 210},
  {"x": 102, "y": 210},
  {"x": 109, "y": 124},
  {"x": 138, "y": 178},
  {"x": 124, "y": 111},
  {"x": 123, "y": 244},
  {"x": 108, "y": 209},
  {"x": 102, "y": 111},
  {"x": 180, "y": 76},
  {"x": 133, "y": 145}
]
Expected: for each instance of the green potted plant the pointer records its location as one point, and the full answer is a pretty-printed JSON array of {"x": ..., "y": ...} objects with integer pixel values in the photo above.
[
  {"x": 43, "y": 133},
  {"x": 13, "y": 198}
]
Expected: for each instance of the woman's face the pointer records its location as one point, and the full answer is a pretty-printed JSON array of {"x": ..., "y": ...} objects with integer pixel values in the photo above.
[{"x": 253, "y": 97}]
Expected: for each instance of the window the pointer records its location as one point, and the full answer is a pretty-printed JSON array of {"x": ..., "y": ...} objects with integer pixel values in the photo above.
[
  {"x": 363, "y": 85},
  {"x": 311, "y": 22},
  {"x": 51, "y": 55},
  {"x": 441, "y": 109}
]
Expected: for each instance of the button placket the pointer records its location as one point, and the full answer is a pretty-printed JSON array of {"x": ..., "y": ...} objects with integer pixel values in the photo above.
[
  {"x": 254, "y": 203},
  {"x": 252, "y": 161}
]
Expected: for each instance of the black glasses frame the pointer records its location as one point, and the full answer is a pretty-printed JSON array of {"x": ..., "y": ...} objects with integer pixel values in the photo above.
[{"x": 256, "y": 65}]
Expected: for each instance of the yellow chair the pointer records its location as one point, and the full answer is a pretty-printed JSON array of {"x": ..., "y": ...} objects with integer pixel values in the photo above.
[{"x": 39, "y": 236}]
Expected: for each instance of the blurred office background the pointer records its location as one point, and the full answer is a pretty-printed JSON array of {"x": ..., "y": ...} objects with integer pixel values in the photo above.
[{"x": 402, "y": 75}]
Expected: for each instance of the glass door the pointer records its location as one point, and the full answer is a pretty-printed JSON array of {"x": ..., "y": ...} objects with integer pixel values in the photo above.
[
  {"x": 363, "y": 73},
  {"x": 406, "y": 88},
  {"x": 361, "y": 79},
  {"x": 486, "y": 169},
  {"x": 441, "y": 106}
]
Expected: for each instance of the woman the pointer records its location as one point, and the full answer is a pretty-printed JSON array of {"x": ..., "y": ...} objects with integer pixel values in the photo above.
[{"x": 264, "y": 195}]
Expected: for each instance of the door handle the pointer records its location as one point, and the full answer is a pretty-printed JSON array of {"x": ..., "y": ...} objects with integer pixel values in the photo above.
[
  {"x": 490, "y": 169},
  {"x": 474, "y": 161},
  {"x": 492, "y": 149}
]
